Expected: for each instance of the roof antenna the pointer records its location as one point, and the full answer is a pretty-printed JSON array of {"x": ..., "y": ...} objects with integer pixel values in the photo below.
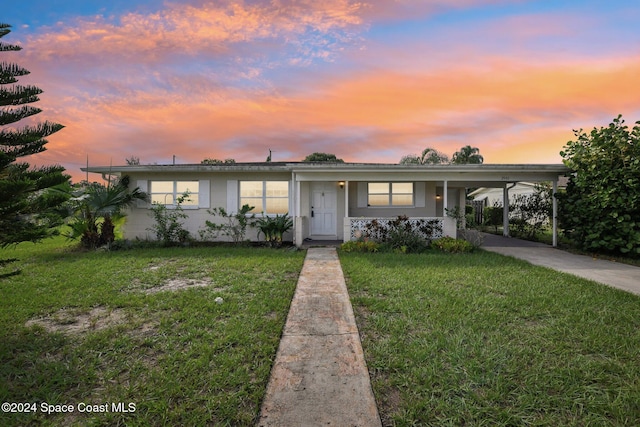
[
  {"x": 269, "y": 158},
  {"x": 174, "y": 160}
]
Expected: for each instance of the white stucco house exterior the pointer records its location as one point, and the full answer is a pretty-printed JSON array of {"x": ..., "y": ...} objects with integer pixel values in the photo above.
[{"x": 327, "y": 201}]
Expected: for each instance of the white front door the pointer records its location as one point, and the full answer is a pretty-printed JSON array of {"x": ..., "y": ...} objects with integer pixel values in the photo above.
[{"x": 323, "y": 209}]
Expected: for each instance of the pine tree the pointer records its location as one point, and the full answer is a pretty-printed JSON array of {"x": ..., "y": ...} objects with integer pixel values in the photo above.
[{"x": 27, "y": 203}]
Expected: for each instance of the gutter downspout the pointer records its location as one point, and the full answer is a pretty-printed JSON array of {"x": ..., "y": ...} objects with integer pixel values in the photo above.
[{"x": 505, "y": 209}]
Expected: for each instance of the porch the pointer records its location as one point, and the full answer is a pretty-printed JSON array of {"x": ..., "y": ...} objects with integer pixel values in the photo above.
[{"x": 340, "y": 201}]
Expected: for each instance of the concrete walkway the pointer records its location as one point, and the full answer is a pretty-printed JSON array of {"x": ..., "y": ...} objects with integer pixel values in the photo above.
[
  {"x": 617, "y": 275},
  {"x": 319, "y": 377}
]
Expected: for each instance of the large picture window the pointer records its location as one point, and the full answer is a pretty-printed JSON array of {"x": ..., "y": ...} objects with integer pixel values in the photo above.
[
  {"x": 269, "y": 197},
  {"x": 167, "y": 192},
  {"x": 390, "y": 194}
]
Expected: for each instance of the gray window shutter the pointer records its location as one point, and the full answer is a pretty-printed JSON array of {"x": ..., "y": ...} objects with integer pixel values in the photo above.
[
  {"x": 143, "y": 185},
  {"x": 232, "y": 196},
  {"x": 419, "y": 196},
  {"x": 204, "y": 194},
  {"x": 363, "y": 194}
]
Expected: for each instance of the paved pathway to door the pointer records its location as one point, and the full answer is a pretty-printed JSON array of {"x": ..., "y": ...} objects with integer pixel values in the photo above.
[
  {"x": 319, "y": 377},
  {"x": 615, "y": 274}
]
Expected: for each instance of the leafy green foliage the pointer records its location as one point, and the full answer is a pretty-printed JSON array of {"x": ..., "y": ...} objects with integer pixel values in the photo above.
[
  {"x": 322, "y": 157},
  {"x": 493, "y": 215},
  {"x": 212, "y": 161},
  {"x": 273, "y": 228},
  {"x": 451, "y": 245},
  {"x": 429, "y": 156},
  {"x": 529, "y": 214},
  {"x": 234, "y": 227},
  {"x": 360, "y": 246},
  {"x": 169, "y": 228},
  {"x": 29, "y": 208},
  {"x": 467, "y": 155},
  {"x": 600, "y": 210},
  {"x": 97, "y": 208},
  {"x": 402, "y": 234}
]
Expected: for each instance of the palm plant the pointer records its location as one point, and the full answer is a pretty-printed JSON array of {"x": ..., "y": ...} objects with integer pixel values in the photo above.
[
  {"x": 467, "y": 155},
  {"x": 274, "y": 228},
  {"x": 429, "y": 156},
  {"x": 98, "y": 209}
]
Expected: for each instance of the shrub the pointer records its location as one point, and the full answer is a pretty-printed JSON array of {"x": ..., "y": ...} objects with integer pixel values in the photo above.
[
  {"x": 402, "y": 234},
  {"x": 360, "y": 246},
  {"x": 451, "y": 245},
  {"x": 530, "y": 213},
  {"x": 235, "y": 226},
  {"x": 273, "y": 228},
  {"x": 168, "y": 227},
  {"x": 600, "y": 209},
  {"x": 493, "y": 215}
]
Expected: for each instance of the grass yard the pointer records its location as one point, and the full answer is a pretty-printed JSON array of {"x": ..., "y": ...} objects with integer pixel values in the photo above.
[
  {"x": 484, "y": 340},
  {"x": 142, "y": 326}
]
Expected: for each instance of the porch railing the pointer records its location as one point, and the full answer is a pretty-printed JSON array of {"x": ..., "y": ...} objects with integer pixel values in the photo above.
[{"x": 436, "y": 226}]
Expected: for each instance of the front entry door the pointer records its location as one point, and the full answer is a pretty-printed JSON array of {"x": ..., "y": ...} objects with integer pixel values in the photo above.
[{"x": 323, "y": 209}]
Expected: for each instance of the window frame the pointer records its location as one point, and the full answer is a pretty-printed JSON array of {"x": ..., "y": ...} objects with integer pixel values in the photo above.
[
  {"x": 390, "y": 194},
  {"x": 264, "y": 197},
  {"x": 193, "y": 204}
]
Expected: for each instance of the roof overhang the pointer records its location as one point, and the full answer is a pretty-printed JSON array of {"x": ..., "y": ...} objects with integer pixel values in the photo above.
[{"x": 484, "y": 175}]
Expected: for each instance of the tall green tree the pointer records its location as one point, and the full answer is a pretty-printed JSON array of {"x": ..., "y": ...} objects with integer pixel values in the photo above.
[
  {"x": 429, "y": 156},
  {"x": 600, "y": 209},
  {"x": 467, "y": 155},
  {"x": 28, "y": 211},
  {"x": 322, "y": 157}
]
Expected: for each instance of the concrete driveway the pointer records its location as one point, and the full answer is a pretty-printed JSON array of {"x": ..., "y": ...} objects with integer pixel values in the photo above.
[{"x": 614, "y": 274}]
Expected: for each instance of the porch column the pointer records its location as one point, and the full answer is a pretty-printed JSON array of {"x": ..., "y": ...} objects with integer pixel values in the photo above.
[
  {"x": 299, "y": 224},
  {"x": 445, "y": 198},
  {"x": 346, "y": 199},
  {"x": 554, "y": 220}
]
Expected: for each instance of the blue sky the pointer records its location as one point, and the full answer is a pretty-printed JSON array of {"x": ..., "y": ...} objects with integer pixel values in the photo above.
[{"x": 366, "y": 80}]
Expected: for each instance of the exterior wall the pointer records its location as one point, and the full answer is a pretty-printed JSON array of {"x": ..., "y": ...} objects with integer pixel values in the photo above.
[
  {"x": 492, "y": 195},
  {"x": 140, "y": 220},
  {"x": 425, "y": 203}
]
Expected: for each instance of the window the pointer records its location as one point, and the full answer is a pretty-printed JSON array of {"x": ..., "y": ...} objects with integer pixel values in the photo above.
[
  {"x": 167, "y": 192},
  {"x": 269, "y": 197},
  {"x": 390, "y": 194}
]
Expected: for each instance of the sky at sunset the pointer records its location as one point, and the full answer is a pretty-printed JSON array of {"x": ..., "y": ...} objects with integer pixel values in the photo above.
[{"x": 368, "y": 80}]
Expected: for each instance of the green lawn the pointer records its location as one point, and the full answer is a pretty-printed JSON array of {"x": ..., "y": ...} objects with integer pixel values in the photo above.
[
  {"x": 483, "y": 340},
  {"x": 142, "y": 326}
]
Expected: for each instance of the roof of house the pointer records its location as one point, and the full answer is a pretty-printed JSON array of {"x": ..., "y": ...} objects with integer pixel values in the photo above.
[{"x": 486, "y": 175}]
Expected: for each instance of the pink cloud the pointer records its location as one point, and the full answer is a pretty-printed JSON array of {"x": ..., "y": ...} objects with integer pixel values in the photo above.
[{"x": 125, "y": 87}]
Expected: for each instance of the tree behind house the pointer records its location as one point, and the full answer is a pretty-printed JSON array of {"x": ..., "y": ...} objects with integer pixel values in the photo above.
[{"x": 322, "y": 157}]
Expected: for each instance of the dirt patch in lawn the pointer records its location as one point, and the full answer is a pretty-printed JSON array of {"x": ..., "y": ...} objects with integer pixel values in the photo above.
[
  {"x": 72, "y": 321},
  {"x": 177, "y": 285}
]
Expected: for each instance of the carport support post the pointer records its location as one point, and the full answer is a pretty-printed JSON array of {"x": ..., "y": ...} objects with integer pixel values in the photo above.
[
  {"x": 505, "y": 211},
  {"x": 554, "y": 220}
]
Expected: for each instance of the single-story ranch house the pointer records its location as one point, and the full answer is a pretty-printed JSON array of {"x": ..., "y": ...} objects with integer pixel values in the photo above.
[{"x": 327, "y": 201}]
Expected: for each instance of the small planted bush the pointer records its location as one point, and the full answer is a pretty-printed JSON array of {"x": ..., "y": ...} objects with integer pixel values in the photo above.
[
  {"x": 169, "y": 223},
  {"x": 451, "y": 245},
  {"x": 274, "y": 228},
  {"x": 234, "y": 225},
  {"x": 360, "y": 246},
  {"x": 402, "y": 234}
]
